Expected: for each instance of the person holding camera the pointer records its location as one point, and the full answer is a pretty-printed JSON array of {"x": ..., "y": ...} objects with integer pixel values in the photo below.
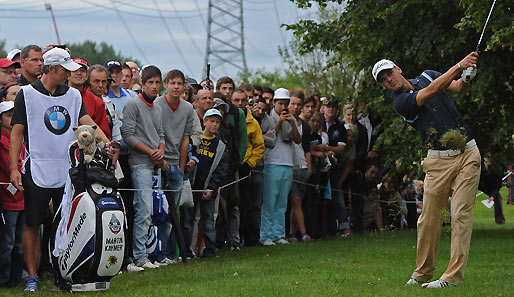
[
  {"x": 338, "y": 219},
  {"x": 249, "y": 204},
  {"x": 278, "y": 171}
]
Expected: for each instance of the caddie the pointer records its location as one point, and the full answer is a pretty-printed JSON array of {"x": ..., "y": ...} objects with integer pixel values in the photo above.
[
  {"x": 424, "y": 104},
  {"x": 45, "y": 112}
]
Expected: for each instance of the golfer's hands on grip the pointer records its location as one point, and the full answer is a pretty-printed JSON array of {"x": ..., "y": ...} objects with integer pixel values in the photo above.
[{"x": 469, "y": 64}]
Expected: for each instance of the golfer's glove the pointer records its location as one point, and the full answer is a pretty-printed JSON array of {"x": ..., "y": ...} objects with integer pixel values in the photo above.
[{"x": 468, "y": 74}]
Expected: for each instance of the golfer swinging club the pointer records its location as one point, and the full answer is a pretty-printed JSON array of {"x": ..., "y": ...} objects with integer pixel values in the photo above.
[{"x": 455, "y": 170}]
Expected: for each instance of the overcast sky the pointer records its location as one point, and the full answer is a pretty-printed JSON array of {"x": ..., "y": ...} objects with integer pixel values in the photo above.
[{"x": 25, "y": 22}]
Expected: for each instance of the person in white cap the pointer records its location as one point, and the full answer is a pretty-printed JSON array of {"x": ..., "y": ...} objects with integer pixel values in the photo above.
[
  {"x": 424, "y": 104},
  {"x": 278, "y": 171},
  {"x": 44, "y": 114}
]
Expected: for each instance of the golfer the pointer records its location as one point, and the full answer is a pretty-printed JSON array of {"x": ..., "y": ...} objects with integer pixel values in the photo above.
[{"x": 424, "y": 104}]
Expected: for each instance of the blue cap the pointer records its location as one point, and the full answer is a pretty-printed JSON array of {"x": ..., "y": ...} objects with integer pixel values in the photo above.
[{"x": 212, "y": 112}]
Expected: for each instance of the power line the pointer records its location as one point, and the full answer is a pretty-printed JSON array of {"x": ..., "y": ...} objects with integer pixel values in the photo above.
[
  {"x": 196, "y": 13},
  {"x": 25, "y": 6},
  {"x": 198, "y": 8},
  {"x": 279, "y": 23},
  {"x": 172, "y": 38},
  {"x": 139, "y": 49},
  {"x": 120, "y": 10},
  {"x": 185, "y": 28},
  {"x": 25, "y": 16}
]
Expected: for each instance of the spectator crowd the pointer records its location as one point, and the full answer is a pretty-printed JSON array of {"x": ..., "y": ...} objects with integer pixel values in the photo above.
[{"x": 258, "y": 166}]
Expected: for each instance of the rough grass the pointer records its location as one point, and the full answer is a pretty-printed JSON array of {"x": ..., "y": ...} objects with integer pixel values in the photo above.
[{"x": 365, "y": 265}]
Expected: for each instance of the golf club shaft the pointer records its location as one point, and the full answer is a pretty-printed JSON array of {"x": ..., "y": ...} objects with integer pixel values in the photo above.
[{"x": 483, "y": 30}]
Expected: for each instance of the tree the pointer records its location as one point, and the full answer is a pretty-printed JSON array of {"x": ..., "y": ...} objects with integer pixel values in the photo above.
[
  {"x": 419, "y": 35},
  {"x": 95, "y": 53}
]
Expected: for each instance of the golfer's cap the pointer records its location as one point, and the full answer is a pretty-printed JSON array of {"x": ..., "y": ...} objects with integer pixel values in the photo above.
[
  {"x": 219, "y": 102},
  {"x": 5, "y": 63},
  {"x": 281, "y": 94},
  {"x": 13, "y": 53},
  {"x": 81, "y": 62},
  {"x": 192, "y": 82},
  {"x": 6, "y": 106},
  {"x": 112, "y": 63},
  {"x": 383, "y": 64},
  {"x": 58, "y": 56},
  {"x": 212, "y": 112}
]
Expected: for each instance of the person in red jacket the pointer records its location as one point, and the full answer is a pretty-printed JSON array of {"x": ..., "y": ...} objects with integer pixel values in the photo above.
[
  {"x": 11, "y": 208},
  {"x": 95, "y": 106}
]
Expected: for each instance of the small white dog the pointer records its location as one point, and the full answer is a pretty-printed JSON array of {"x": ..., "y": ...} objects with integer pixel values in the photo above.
[{"x": 86, "y": 140}]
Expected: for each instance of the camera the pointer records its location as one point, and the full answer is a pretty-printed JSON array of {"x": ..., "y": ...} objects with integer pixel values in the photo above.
[
  {"x": 286, "y": 110},
  {"x": 250, "y": 102}
]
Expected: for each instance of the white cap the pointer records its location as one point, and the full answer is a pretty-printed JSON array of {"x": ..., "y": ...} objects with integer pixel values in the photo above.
[
  {"x": 212, "y": 112},
  {"x": 13, "y": 53},
  {"x": 58, "y": 56},
  {"x": 381, "y": 65},
  {"x": 281, "y": 94},
  {"x": 6, "y": 106}
]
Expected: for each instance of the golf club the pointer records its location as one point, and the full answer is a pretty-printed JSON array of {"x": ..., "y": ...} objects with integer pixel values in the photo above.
[{"x": 470, "y": 72}]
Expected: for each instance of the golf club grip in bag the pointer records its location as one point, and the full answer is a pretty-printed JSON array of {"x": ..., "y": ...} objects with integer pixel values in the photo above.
[{"x": 95, "y": 245}]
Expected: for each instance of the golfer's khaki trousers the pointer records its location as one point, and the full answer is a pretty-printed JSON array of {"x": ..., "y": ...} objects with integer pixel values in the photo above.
[{"x": 459, "y": 176}]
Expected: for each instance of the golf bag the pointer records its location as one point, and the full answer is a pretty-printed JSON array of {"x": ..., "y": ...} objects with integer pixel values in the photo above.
[{"x": 92, "y": 249}]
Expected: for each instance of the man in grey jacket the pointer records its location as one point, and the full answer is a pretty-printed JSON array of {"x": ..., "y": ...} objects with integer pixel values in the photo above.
[{"x": 143, "y": 133}]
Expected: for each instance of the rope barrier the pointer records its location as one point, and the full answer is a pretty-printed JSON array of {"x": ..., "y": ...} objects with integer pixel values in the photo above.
[
  {"x": 323, "y": 187},
  {"x": 165, "y": 190},
  {"x": 260, "y": 171},
  {"x": 240, "y": 179},
  {"x": 508, "y": 174}
]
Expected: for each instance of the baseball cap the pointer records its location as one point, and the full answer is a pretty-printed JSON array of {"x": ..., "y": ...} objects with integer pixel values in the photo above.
[
  {"x": 112, "y": 63},
  {"x": 58, "y": 56},
  {"x": 219, "y": 102},
  {"x": 281, "y": 94},
  {"x": 6, "y": 106},
  {"x": 13, "y": 53},
  {"x": 212, "y": 112},
  {"x": 5, "y": 63},
  {"x": 383, "y": 64},
  {"x": 81, "y": 62},
  {"x": 192, "y": 82}
]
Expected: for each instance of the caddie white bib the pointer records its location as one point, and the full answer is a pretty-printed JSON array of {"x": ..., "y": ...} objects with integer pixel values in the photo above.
[{"x": 49, "y": 122}]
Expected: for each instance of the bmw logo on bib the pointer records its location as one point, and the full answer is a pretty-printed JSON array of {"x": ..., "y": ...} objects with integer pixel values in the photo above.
[{"x": 57, "y": 119}]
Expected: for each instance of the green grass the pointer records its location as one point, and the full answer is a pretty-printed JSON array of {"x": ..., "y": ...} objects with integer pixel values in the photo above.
[{"x": 365, "y": 265}]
